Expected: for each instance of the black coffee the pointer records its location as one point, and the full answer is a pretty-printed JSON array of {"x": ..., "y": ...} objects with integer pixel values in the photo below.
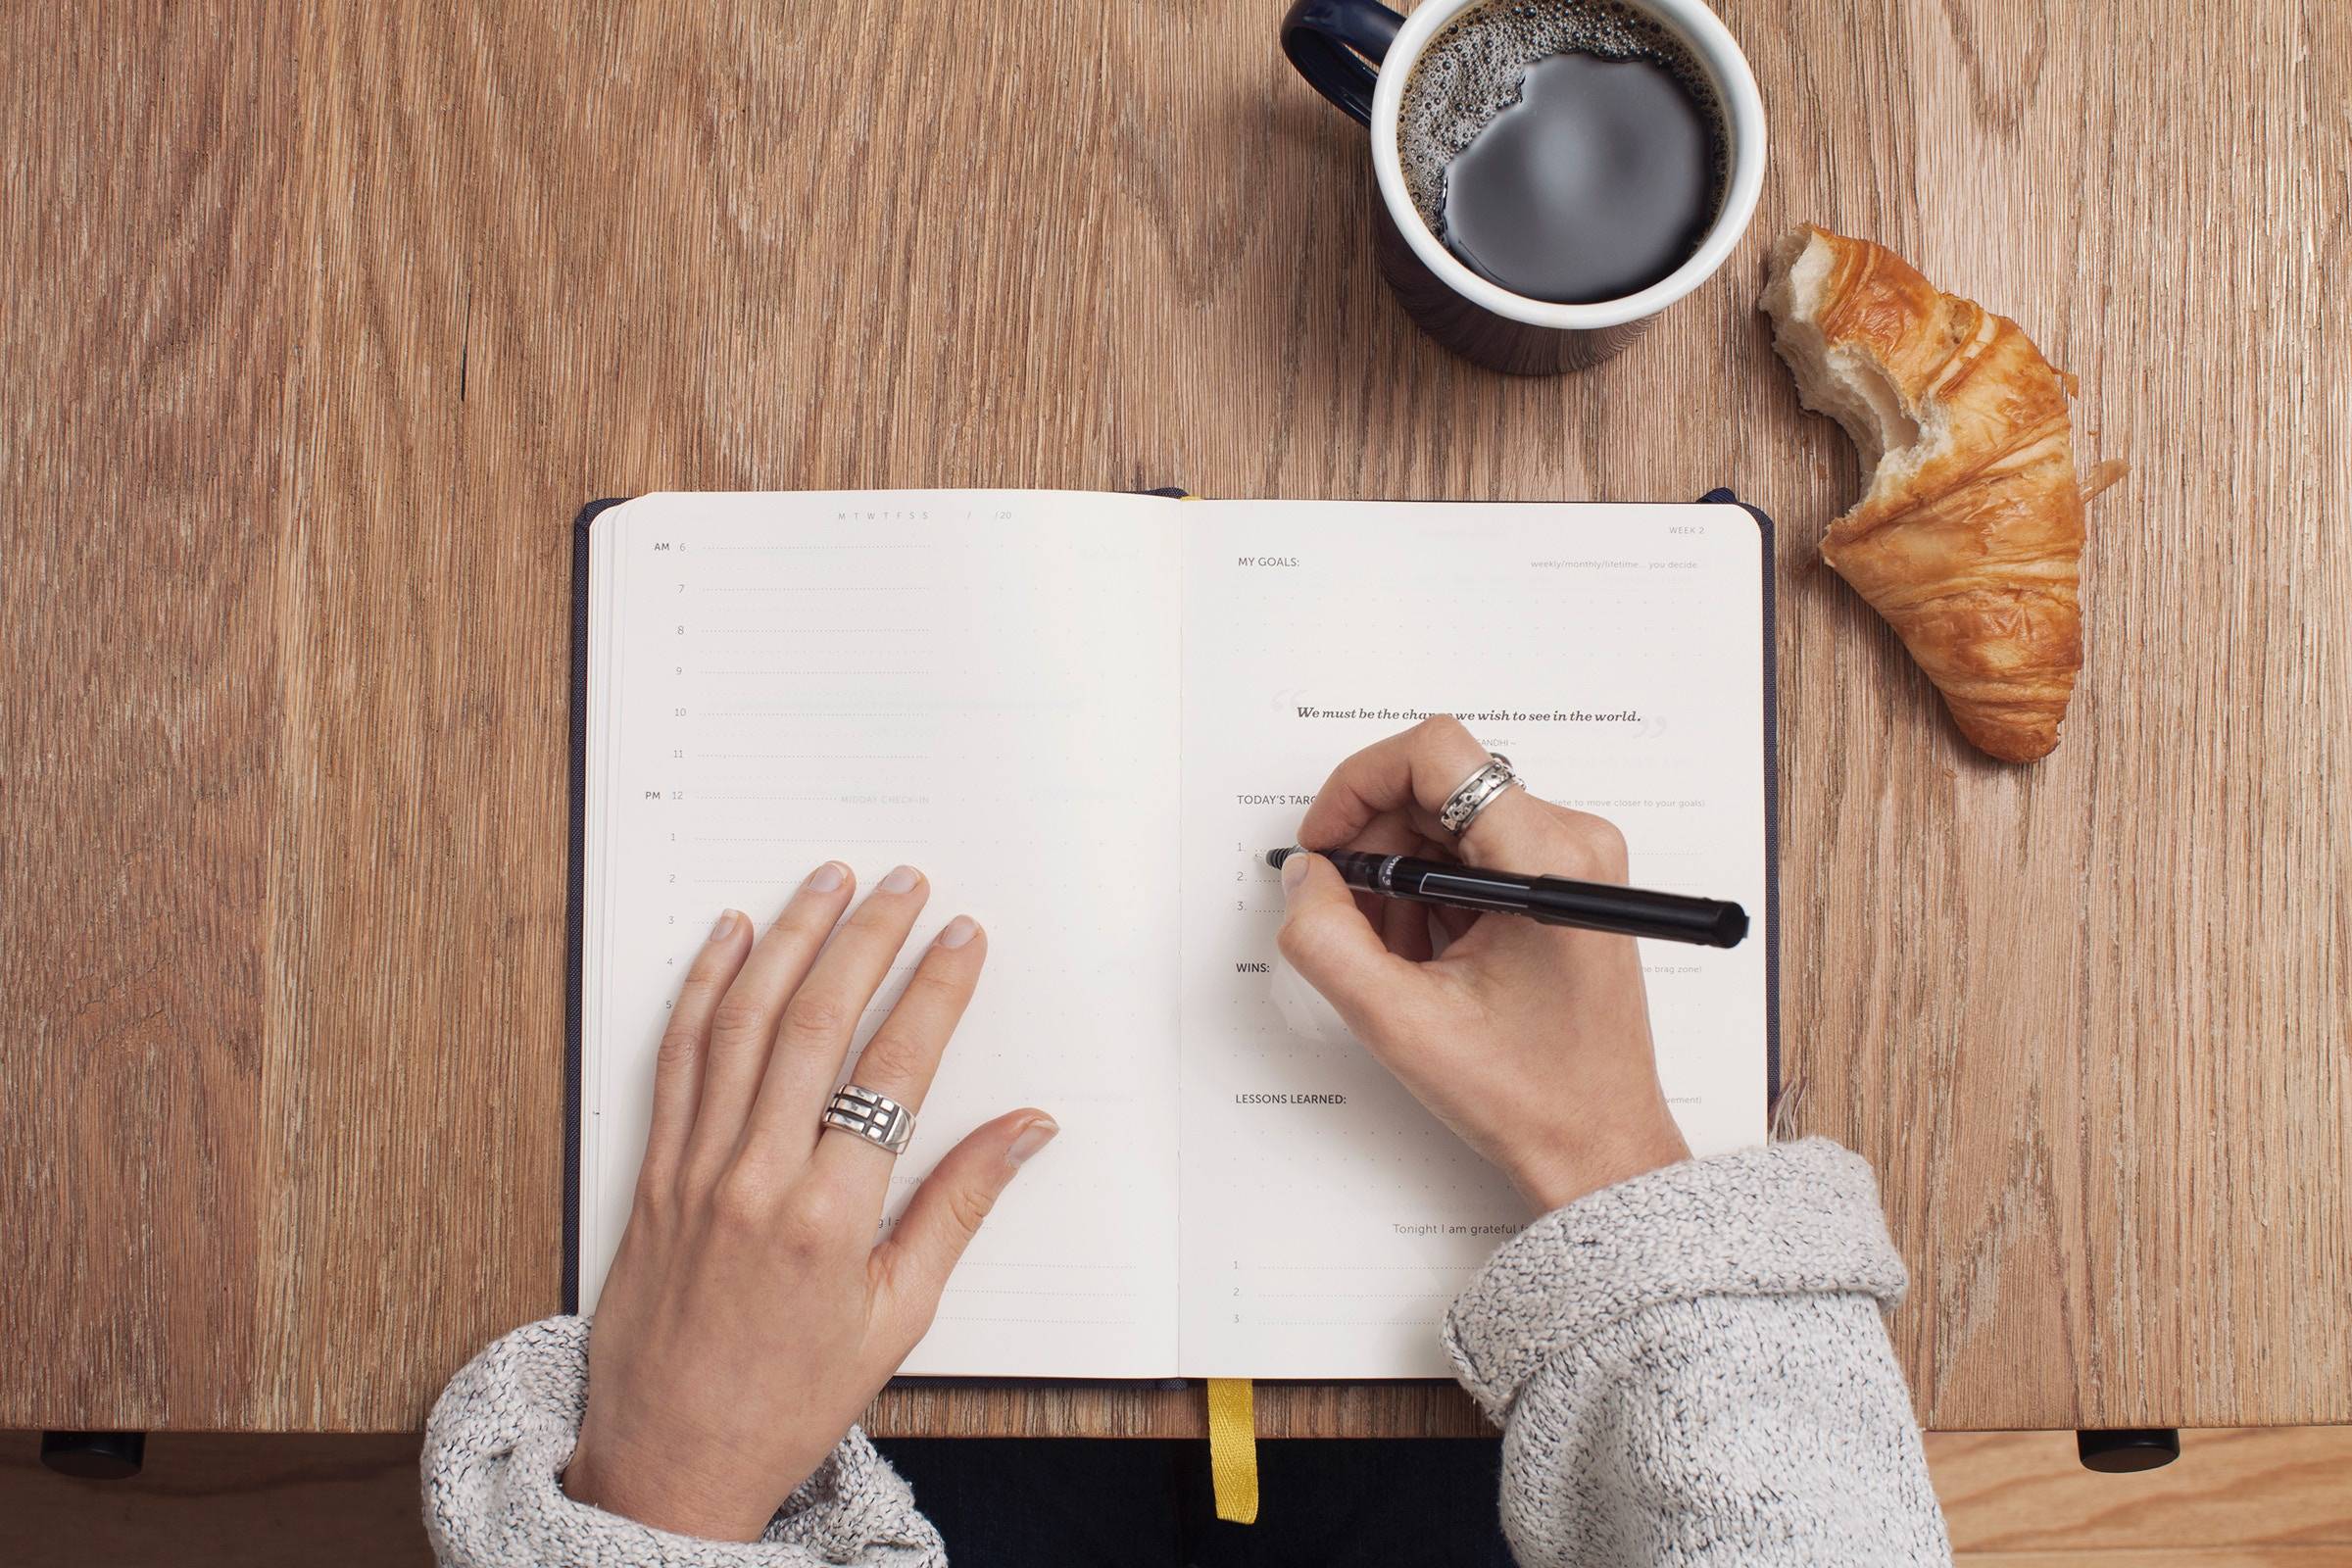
[{"x": 1568, "y": 150}]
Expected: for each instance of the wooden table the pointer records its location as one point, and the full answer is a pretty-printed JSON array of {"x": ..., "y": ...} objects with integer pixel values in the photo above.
[{"x": 321, "y": 320}]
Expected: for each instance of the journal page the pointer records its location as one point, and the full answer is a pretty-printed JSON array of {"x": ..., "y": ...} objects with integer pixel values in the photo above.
[
  {"x": 1615, "y": 655},
  {"x": 981, "y": 684}
]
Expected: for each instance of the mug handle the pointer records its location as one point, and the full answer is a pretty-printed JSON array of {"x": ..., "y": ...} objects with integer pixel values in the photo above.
[{"x": 1330, "y": 41}]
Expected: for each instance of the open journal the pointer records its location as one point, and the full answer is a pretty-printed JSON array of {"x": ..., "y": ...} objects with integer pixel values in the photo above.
[{"x": 1086, "y": 716}]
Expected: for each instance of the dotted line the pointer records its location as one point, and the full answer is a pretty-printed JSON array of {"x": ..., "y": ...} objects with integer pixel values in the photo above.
[
  {"x": 1344, "y": 1269},
  {"x": 801, "y": 631},
  {"x": 895, "y": 588},
  {"x": 738, "y": 549},
  {"x": 1344, "y": 1296},
  {"x": 828, "y": 757},
  {"x": 975, "y": 1262},
  {"x": 1107, "y": 1295},
  {"x": 826, "y": 713},
  {"x": 721, "y": 838},
  {"x": 1347, "y": 1322},
  {"x": 1114, "y": 1322}
]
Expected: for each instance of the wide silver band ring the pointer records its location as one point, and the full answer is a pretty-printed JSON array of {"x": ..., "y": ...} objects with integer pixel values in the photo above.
[
  {"x": 877, "y": 1118},
  {"x": 1478, "y": 792}
]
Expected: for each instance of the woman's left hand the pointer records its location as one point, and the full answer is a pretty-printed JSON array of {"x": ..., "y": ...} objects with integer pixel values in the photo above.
[{"x": 749, "y": 1315}]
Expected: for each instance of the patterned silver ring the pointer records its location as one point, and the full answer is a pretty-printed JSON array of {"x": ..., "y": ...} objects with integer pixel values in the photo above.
[
  {"x": 877, "y": 1118},
  {"x": 1478, "y": 792}
]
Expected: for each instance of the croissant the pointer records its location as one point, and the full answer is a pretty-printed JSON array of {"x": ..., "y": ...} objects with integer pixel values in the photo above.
[{"x": 1968, "y": 539}]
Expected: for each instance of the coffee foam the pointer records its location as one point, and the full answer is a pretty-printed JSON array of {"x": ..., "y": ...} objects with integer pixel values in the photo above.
[{"x": 1472, "y": 70}]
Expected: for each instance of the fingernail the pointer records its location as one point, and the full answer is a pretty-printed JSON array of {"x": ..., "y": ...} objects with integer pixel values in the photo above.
[
  {"x": 724, "y": 925},
  {"x": 827, "y": 877},
  {"x": 900, "y": 880},
  {"x": 1033, "y": 1137},
  {"x": 1294, "y": 873},
  {"x": 958, "y": 931}
]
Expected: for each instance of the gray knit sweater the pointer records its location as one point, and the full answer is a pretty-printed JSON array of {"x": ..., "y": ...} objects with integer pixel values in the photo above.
[{"x": 1688, "y": 1368}]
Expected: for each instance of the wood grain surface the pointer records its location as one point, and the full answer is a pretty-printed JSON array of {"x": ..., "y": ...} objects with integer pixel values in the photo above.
[
  {"x": 2268, "y": 1495},
  {"x": 321, "y": 321}
]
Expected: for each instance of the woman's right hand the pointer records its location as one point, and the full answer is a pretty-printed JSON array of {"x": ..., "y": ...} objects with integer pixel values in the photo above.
[{"x": 1530, "y": 1041}]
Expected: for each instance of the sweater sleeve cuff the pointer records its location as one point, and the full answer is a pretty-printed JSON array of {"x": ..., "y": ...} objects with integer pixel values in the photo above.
[
  {"x": 1786, "y": 1219},
  {"x": 504, "y": 1430}
]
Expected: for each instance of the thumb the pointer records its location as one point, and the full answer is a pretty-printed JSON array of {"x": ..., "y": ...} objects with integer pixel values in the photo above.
[
  {"x": 1326, "y": 938},
  {"x": 946, "y": 1212}
]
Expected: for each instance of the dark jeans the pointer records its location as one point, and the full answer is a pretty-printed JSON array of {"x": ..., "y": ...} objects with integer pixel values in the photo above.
[{"x": 1143, "y": 1503}]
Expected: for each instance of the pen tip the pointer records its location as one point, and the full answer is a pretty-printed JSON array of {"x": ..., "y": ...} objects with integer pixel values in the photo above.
[{"x": 1275, "y": 858}]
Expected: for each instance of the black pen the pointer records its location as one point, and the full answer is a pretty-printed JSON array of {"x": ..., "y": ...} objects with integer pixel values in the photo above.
[{"x": 1549, "y": 900}]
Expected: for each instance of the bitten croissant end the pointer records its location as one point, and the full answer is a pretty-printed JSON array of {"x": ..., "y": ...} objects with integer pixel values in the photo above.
[{"x": 1969, "y": 538}]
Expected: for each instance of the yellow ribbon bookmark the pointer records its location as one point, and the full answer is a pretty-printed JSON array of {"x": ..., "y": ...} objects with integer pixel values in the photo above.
[{"x": 1233, "y": 1450}]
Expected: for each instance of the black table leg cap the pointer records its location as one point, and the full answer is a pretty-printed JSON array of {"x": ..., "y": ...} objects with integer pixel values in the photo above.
[
  {"x": 2120, "y": 1451},
  {"x": 94, "y": 1456}
]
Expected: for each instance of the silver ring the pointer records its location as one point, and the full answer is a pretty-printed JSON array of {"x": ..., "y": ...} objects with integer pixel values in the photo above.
[
  {"x": 1478, "y": 792},
  {"x": 877, "y": 1118}
]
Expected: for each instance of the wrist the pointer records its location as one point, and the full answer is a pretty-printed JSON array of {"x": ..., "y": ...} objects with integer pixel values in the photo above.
[
  {"x": 664, "y": 1496},
  {"x": 1563, "y": 1172}
]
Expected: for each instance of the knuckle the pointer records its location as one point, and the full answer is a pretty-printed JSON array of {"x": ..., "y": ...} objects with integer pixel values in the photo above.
[
  {"x": 935, "y": 987},
  {"x": 738, "y": 1018},
  {"x": 1443, "y": 728},
  {"x": 741, "y": 1198},
  {"x": 815, "y": 1015},
  {"x": 678, "y": 1048},
  {"x": 890, "y": 1058},
  {"x": 657, "y": 1191},
  {"x": 968, "y": 1209},
  {"x": 812, "y": 1218},
  {"x": 1596, "y": 849}
]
